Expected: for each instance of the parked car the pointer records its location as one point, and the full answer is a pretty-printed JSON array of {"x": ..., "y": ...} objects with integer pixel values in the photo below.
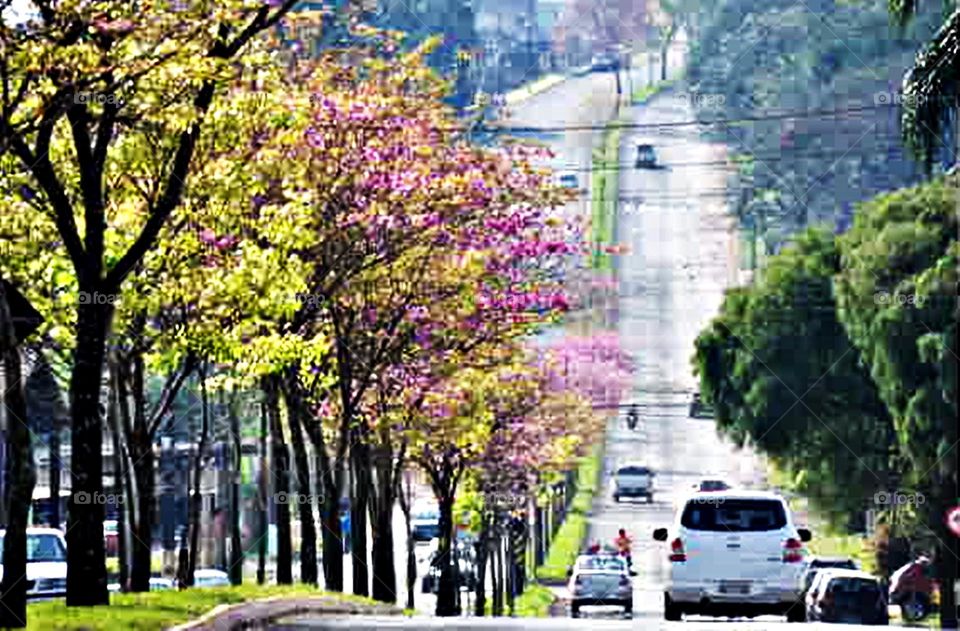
[
  {"x": 111, "y": 537},
  {"x": 912, "y": 587},
  {"x": 210, "y": 578},
  {"x": 646, "y": 157},
  {"x": 601, "y": 580},
  {"x": 734, "y": 553},
  {"x": 699, "y": 409},
  {"x": 157, "y": 583},
  {"x": 816, "y": 564},
  {"x": 425, "y": 521},
  {"x": 568, "y": 179},
  {"x": 711, "y": 485},
  {"x": 604, "y": 62},
  {"x": 849, "y": 596},
  {"x": 466, "y": 577},
  {"x": 46, "y": 562},
  {"x": 633, "y": 480}
]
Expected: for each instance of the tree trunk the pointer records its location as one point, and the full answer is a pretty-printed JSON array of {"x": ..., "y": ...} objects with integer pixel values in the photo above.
[
  {"x": 384, "y": 570},
  {"x": 497, "y": 608},
  {"x": 236, "y": 456},
  {"x": 21, "y": 477},
  {"x": 360, "y": 481},
  {"x": 144, "y": 473},
  {"x": 308, "y": 526},
  {"x": 280, "y": 465},
  {"x": 447, "y": 588},
  {"x": 332, "y": 538},
  {"x": 262, "y": 526},
  {"x": 119, "y": 487},
  {"x": 56, "y": 517},
  {"x": 483, "y": 550},
  {"x": 196, "y": 499},
  {"x": 405, "y": 496},
  {"x": 86, "y": 561}
]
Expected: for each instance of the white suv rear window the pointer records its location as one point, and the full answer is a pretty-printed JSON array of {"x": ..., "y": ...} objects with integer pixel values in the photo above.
[{"x": 734, "y": 515}]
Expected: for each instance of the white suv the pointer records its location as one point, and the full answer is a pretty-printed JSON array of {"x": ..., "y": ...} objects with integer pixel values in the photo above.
[
  {"x": 46, "y": 562},
  {"x": 734, "y": 553}
]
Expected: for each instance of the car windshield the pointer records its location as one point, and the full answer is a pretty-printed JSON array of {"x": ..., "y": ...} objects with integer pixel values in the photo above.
[
  {"x": 601, "y": 563},
  {"x": 427, "y": 514},
  {"x": 846, "y": 563},
  {"x": 42, "y": 549},
  {"x": 633, "y": 471},
  {"x": 734, "y": 515}
]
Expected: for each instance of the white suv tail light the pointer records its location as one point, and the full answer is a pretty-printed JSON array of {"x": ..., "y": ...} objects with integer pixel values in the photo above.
[
  {"x": 792, "y": 551},
  {"x": 677, "y": 553}
]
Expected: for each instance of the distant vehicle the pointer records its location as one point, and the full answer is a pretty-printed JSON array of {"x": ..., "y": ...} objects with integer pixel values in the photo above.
[
  {"x": 568, "y": 179},
  {"x": 425, "y": 522},
  {"x": 912, "y": 587},
  {"x": 737, "y": 554},
  {"x": 633, "y": 480},
  {"x": 699, "y": 409},
  {"x": 466, "y": 562},
  {"x": 849, "y": 596},
  {"x": 711, "y": 486},
  {"x": 209, "y": 578},
  {"x": 646, "y": 157},
  {"x": 46, "y": 562},
  {"x": 601, "y": 580},
  {"x": 604, "y": 62},
  {"x": 157, "y": 584},
  {"x": 819, "y": 563},
  {"x": 111, "y": 537}
]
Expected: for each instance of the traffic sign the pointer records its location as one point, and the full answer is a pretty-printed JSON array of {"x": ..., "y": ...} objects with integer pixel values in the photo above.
[{"x": 953, "y": 520}]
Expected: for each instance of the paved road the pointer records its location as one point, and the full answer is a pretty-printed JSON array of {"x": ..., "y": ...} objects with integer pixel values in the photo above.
[
  {"x": 672, "y": 282},
  {"x": 538, "y": 624}
]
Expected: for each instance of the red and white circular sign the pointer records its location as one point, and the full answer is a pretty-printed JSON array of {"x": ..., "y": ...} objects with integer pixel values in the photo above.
[{"x": 953, "y": 520}]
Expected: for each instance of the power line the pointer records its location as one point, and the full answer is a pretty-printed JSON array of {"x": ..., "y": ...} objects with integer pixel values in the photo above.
[{"x": 827, "y": 113}]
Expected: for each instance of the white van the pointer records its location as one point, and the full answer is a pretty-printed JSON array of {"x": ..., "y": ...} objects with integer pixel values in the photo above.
[{"x": 734, "y": 553}]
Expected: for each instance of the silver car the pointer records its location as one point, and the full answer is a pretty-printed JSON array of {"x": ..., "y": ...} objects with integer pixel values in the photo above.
[{"x": 600, "y": 580}]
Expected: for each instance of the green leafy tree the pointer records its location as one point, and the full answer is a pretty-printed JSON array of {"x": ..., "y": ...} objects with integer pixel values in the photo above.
[
  {"x": 897, "y": 297},
  {"x": 784, "y": 376}
]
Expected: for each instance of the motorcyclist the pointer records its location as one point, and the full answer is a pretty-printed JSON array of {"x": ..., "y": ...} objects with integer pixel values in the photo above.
[
  {"x": 633, "y": 415},
  {"x": 623, "y": 544}
]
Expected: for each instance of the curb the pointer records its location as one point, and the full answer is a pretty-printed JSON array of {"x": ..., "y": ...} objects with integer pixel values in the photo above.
[{"x": 256, "y": 614}]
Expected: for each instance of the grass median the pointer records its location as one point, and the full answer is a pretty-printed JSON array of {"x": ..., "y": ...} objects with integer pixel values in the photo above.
[
  {"x": 571, "y": 534},
  {"x": 162, "y": 609}
]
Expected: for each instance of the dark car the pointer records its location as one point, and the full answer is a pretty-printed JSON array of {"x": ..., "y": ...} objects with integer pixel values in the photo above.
[
  {"x": 847, "y": 596},
  {"x": 646, "y": 157},
  {"x": 466, "y": 577},
  {"x": 818, "y": 563},
  {"x": 699, "y": 409},
  {"x": 604, "y": 63}
]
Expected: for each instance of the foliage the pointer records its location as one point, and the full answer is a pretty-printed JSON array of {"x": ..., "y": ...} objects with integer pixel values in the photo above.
[
  {"x": 896, "y": 295},
  {"x": 767, "y": 58},
  {"x": 782, "y": 375}
]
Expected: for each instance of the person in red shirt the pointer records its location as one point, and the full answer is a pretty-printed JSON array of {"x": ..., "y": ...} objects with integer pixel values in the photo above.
[{"x": 623, "y": 543}]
